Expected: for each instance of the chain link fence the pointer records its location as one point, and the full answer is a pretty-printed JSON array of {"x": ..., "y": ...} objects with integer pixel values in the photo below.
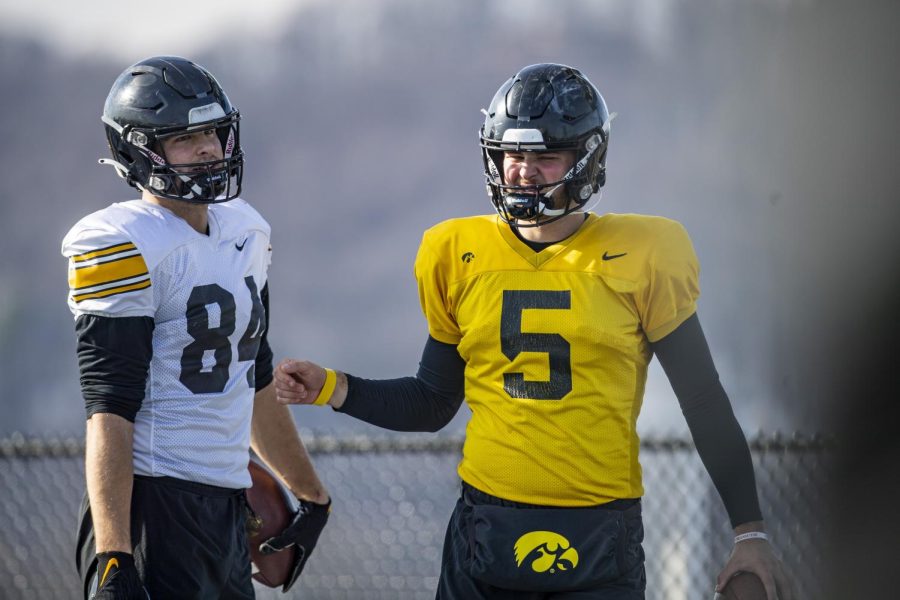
[{"x": 393, "y": 497}]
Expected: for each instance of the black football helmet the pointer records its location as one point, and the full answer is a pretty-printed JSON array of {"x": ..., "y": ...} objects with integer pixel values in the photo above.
[
  {"x": 541, "y": 108},
  {"x": 164, "y": 96}
]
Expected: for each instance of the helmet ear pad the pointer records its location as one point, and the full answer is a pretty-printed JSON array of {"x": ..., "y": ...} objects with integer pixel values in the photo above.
[
  {"x": 593, "y": 175},
  {"x": 495, "y": 156},
  {"x": 137, "y": 166}
]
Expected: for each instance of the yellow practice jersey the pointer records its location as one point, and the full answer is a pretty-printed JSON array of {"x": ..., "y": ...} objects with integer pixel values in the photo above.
[{"x": 556, "y": 345}]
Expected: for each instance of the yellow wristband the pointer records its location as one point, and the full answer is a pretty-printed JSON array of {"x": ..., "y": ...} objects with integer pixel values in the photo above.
[{"x": 328, "y": 389}]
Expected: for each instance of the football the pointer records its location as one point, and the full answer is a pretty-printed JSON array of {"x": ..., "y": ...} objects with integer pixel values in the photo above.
[
  {"x": 270, "y": 512},
  {"x": 743, "y": 586}
]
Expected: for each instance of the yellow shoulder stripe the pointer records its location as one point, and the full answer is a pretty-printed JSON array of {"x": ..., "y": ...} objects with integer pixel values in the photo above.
[
  {"x": 112, "y": 291},
  {"x": 103, "y": 252},
  {"x": 103, "y": 273}
]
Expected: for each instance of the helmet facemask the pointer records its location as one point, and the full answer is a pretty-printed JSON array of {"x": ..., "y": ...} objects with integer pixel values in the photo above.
[
  {"x": 165, "y": 96},
  {"x": 545, "y": 108},
  {"x": 536, "y": 203},
  {"x": 140, "y": 156}
]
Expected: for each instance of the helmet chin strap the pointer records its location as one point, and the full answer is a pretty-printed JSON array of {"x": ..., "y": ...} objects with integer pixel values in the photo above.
[
  {"x": 589, "y": 207},
  {"x": 551, "y": 212},
  {"x": 592, "y": 144},
  {"x": 121, "y": 171},
  {"x": 543, "y": 207},
  {"x": 191, "y": 184},
  {"x": 559, "y": 212}
]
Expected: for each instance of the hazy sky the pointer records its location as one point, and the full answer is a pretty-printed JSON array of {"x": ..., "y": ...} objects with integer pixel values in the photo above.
[{"x": 111, "y": 30}]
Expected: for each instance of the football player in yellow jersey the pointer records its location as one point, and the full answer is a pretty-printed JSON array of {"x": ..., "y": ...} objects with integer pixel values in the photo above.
[{"x": 544, "y": 319}]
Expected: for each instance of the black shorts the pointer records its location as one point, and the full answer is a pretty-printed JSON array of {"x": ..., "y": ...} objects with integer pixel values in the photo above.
[
  {"x": 501, "y": 550},
  {"x": 189, "y": 540}
]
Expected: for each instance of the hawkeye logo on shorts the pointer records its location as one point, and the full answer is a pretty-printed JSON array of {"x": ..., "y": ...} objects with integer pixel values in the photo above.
[
  {"x": 467, "y": 257},
  {"x": 547, "y": 550}
]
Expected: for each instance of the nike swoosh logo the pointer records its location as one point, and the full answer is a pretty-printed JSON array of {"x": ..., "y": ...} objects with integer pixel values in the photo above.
[
  {"x": 241, "y": 247},
  {"x": 612, "y": 256},
  {"x": 113, "y": 562}
]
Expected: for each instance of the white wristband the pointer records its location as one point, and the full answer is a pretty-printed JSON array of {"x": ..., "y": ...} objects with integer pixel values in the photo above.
[{"x": 751, "y": 535}]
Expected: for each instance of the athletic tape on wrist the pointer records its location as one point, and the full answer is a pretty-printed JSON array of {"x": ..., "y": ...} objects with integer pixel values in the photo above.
[
  {"x": 328, "y": 389},
  {"x": 751, "y": 535}
]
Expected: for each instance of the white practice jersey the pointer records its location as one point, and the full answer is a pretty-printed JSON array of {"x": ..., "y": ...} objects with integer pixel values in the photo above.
[{"x": 137, "y": 259}]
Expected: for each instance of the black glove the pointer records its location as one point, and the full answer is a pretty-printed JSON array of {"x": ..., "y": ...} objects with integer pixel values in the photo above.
[
  {"x": 304, "y": 531},
  {"x": 117, "y": 578}
]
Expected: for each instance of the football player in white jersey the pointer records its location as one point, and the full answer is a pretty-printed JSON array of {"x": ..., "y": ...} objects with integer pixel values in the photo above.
[
  {"x": 170, "y": 297},
  {"x": 544, "y": 318}
]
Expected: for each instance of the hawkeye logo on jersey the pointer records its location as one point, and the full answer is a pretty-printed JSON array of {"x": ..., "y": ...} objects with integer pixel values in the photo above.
[
  {"x": 467, "y": 257},
  {"x": 547, "y": 551}
]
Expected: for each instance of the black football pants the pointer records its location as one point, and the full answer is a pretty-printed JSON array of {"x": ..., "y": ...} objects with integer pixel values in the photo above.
[
  {"x": 189, "y": 540},
  {"x": 457, "y": 583}
]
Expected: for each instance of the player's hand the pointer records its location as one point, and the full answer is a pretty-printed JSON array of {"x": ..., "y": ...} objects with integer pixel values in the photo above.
[
  {"x": 303, "y": 532},
  {"x": 298, "y": 381},
  {"x": 117, "y": 578},
  {"x": 757, "y": 557}
]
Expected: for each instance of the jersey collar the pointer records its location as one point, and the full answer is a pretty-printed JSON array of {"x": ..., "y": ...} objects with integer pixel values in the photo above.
[{"x": 539, "y": 259}]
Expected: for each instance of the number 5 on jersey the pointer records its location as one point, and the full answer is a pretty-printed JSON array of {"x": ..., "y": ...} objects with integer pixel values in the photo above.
[{"x": 513, "y": 342}]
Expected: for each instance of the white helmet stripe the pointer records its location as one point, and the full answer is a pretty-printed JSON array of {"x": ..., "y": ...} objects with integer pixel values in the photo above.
[
  {"x": 533, "y": 137},
  {"x": 207, "y": 112}
]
